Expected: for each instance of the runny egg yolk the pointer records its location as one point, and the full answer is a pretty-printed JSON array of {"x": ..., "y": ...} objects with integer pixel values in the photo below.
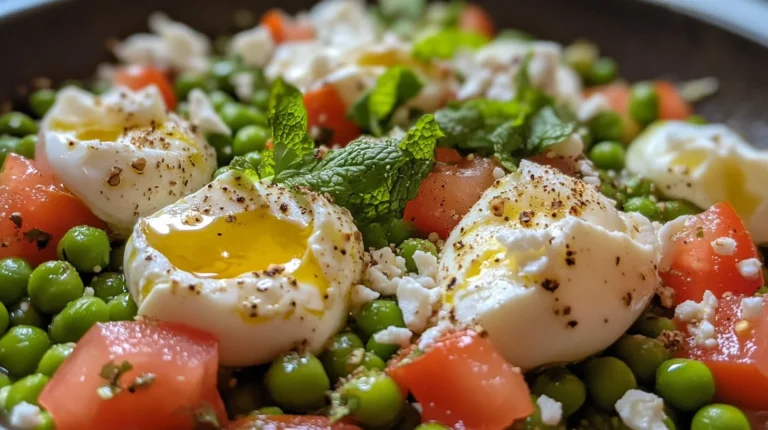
[
  {"x": 228, "y": 246},
  {"x": 86, "y": 132}
]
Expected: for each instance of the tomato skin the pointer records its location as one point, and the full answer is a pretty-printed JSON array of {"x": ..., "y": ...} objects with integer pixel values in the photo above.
[
  {"x": 183, "y": 360},
  {"x": 671, "y": 104},
  {"x": 289, "y": 422},
  {"x": 42, "y": 204},
  {"x": 448, "y": 192},
  {"x": 695, "y": 267},
  {"x": 447, "y": 155},
  {"x": 735, "y": 362},
  {"x": 326, "y": 110},
  {"x": 475, "y": 18},
  {"x": 462, "y": 382},
  {"x": 137, "y": 77},
  {"x": 285, "y": 28}
]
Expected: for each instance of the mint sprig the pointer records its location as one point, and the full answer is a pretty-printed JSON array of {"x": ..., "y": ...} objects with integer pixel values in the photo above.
[{"x": 373, "y": 110}]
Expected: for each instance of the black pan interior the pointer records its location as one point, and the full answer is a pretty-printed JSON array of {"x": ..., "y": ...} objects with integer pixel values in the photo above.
[{"x": 67, "y": 38}]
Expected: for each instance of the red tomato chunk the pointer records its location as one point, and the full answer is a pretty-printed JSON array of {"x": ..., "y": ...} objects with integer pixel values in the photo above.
[{"x": 289, "y": 422}]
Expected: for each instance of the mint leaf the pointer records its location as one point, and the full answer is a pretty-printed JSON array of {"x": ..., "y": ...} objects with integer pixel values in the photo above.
[
  {"x": 509, "y": 143},
  {"x": 393, "y": 89},
  {"x": 547, "y": 128},
  {"x": 445, "y": 43},
  {"x": 373, "y": 178},
  {"x": 288, "y": 118}
]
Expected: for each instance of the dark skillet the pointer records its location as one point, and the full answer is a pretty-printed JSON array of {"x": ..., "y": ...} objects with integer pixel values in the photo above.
[{"x": 67, "y": 38}]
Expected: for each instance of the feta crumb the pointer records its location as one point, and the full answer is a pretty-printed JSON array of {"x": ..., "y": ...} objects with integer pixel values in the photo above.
[
  {"x": 202, "y": 114},
  {"x": 434, "y": 333},
  {"x": 88, "y": 292},
  {"x": 666, "y": 295},
  {"x": 724, "y": 246},
  {"x": 25, "y": 416},
  {"x": 254, "y": 46},
  {"x": 361, "y": 295},
  {"x": 417, "y": 303},
  {"x": 703, "y": 334},
  {"x": 551, "y": 410},
  {"x": 690, "y": 311},
  {"x": 749, "y": 268},
  {"x": 751, "y": 308},
  {"x": 381, "y": 276},
  {"x": 666, "y": 236},
  {"x": 394, "y": 336},
  {"x": 641, "y": 411},
  {"x": 243, "y": 83},
  {"x": 426, "y": 263},
  {"x": 498, "y": 173}
]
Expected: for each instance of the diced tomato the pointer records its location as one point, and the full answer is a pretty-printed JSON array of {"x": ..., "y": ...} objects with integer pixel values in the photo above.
[
  {"x": 36, "y": 211},
  {"x": 289, "y": 422},
  {"x": 461, "y": 381},
  {"x": 138, "y": 77},
  {"x": 327, "y": 112},
  {"x": 671, "y": 104},
  {"x": 447, "y": 155},
  {"x": 284, "y": 28},
  {"x": 736, "y": 359},
  {"x": 475, "y": 18},
  {"x": 695, "y": 267},
  {"x": 616, "y": 93},
  {"x": 184, "y": 362},
  {"x": 448, "y": 192}
]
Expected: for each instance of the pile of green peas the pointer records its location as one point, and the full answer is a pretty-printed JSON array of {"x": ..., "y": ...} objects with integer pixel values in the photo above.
[{"x": 45, "y": 310}]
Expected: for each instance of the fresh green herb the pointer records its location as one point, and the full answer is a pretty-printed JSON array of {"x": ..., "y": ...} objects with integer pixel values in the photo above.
[
  {"x": 112, "y": 373},
  {"x": 699, "y": 232},
  {"x": 205, "y": 417},
  {"x": 373, "y": 178},
  {"x": 394, "y": 88},
  {"x": 445, "y": 43}
]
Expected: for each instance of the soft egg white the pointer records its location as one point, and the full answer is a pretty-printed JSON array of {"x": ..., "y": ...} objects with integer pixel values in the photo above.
[
  {"x": 122, "y": 154},
  {"x": 548, "y": 267},
  {"x": 263, "y": 268}
]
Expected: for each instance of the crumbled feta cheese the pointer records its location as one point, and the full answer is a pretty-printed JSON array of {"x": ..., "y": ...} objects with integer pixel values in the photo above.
[
  {"x": 666, "y": 236},
  {"x": 588, "y": 172},
  {"x": 724, "y": 246},
  {"x": 342, "y": 23},
  {"x": 254, "y": 46},
  {"x": 592, "y": 106},
  {"x": 394, "y": 336},
  {"x": 361, "y": 295},
  {"x": 243, "y": 83},
  {"x": 88, "y": 292},
  {"x": 25, "y": 416},
  {"x": 203, "y": 115},
  {"x": 426, "y": 263},
  {"x": 417, "y": 303},
  {"x": 703, "y": 334},
  {"x": 749, "y": 268},
  {"x": 751, "y": 308},
  {"x": 498, "y": 173},
  {"x": 641, "y": 411},
  {"x": 381, "y": 276},
  {"x": 666, "y": 295},
  {"x": 571, "y": 147},
  {"x": 551, "y": 410},
  {"x": 690, "y": 311},
  {"x": 432, "y": 334}
]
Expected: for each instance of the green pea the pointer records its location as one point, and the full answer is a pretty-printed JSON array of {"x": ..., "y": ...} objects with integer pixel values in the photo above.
[
  {"x": 77, "y": 318},
  {"x": 377, "y": 315},
  {"x": 188, "y": 81},
  {"x": 26, "y": 389},
  {"x": 608, "y": 155},
  {"x": 242, "y": 399},
  {"x": 22, "y": 348},
  {"x": 595, "y": 419},
  {"x": 24, "y": 313},
  {"x": 5, "y": 380},
  {"x": 108, "y": 285},
  {"x": 220, "y": 171},
  {"x": 4, "y": 396},
  {"x": 533, "y": 421},
  {"x": 639, "y": 187},
  {"x": 372, "y": 361},
  {"x": 642, "y": 354},
  {"x": 644, "y": 102},
  {"x": 260, "y": 99},
  {"x": 607, "y": 379},
  {"x": 41, "y": 101},
  {"x": 53, "y": 284},
  {"x": 26, "y": 146},
  {"x": 644, "y": 206},
  {"x": 652, "y": 325},
  {"x": 374, "y": 235},
  {"x": 250, "y": 138},
  {"x": 17, "y": 124},
  {"x": 720, "y": 417},
  {"x": 685, "y": 384},
  {"x": 673, "y": 209},
  {"x": 7, "y": 145},
  {"x": 269, "y": 410},
  {"x": 382, "y": 350},
  {"x": 399, "y": 230},
  {"x": 237, "y": 116},
  {"x": 86, "y": 247},
  {"x": 4, "y": 318},
  {"x": 53, "y": 358},
  {"x": 46, "y": 422},
  {"x": 436, "y": 426},
  {"x": 605, "y": 126},
  {"x": 221, "y": 71},
  {"x": 409, "y": 247},
  {"x": 219, "y": 99},
  {"x": 297, "y": 382},
  {"x": 14, "y": 276},
  {"x": 374, "y": 398},
  {"x": 580, "y": 55},
  {"x": 560, "y": 384},
  {"x": 116, "y": 258},
  {"x": 336, "y": 356},
  {"x": 254, "y": 158},
  {"x": 609, "y": 189},
  {"x": 222, "y": 143},
  {"x": 604, "y": 70},
  {"x": 122, "y": 308},
  {"x": 696, "y": 119}
]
